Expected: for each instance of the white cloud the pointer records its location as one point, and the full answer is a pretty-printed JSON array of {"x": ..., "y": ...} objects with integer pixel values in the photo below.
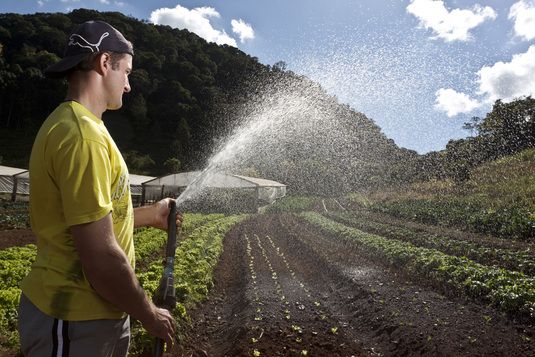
[
  {"x": 449, "y": 25},
  {"x": 40, "y": 3},
  {"x": 509, "y": 80},
  {"x": 503, "y": 80},
  {"x": 242, "y": 29},
  {"x": 119, "y": 3},
  {"x": 196, "y": 20},
  {"x": 453, "y": 102},
  {"x": 523, "y": 14},
  {"x": 105, "y": 2}
]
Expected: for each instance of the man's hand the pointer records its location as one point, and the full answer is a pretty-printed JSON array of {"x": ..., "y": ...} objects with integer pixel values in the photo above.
[
  {"x": 161, "y": 212},
  {"x": 156, "y": 215},
  {"x": 162, "y": 325}
]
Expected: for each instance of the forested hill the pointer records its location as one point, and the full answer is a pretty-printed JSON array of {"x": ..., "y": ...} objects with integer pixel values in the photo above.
[
  {"x": 186, "y": 96},
  {"x": 179, "y": 83}
]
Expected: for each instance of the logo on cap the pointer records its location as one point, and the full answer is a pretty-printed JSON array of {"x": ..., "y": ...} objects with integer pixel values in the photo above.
[{"x": 78, "y": 40}]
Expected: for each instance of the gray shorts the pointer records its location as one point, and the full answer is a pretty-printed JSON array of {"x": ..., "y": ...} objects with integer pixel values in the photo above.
[{"x": 43, "y": 336}]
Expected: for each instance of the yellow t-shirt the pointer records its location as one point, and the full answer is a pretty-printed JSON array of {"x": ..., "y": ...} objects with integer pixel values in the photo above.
[{"x": 77, "y": 175}]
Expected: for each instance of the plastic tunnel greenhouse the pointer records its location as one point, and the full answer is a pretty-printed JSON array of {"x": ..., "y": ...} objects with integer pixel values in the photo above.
[
  {"x": 14, "y": 182},
  {"x": 261, "y": 191},
  {"x": 136, "y": 188},
  {"x": 232, "y": 192}
]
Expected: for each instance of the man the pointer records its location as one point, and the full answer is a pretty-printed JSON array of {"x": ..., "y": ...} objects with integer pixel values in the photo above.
[{"x": 81, "y": 288}]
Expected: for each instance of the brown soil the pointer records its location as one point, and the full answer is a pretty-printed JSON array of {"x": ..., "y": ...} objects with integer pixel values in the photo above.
[
  {"x": 16, "y": 237},
  {"x": 328, "y": 300}
]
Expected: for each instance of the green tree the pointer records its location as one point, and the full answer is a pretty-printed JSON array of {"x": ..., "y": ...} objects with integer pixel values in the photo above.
[
  {"x": 60, "y": 21},
  {"x": 510, "y": 127},
  {"x": 473, "y": 126},
  {"x": 5, "y": 35},
  {"x": 279, "y": 66},
  {"x": 138, "y": 163},
  {"x": 172, "y": 165},
  {"x": 52, "y": 39},
  {"x": 137, "y": 107}
]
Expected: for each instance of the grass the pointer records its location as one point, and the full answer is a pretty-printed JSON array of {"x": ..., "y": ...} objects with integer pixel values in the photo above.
[{"x": 498, "y": 199}]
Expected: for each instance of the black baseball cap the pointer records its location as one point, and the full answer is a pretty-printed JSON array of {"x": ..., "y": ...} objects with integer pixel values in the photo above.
[{"x": 89, "y": 37}]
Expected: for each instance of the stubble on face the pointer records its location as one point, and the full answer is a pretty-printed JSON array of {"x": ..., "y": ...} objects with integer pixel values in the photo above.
[{"x": 118, "y": 83}]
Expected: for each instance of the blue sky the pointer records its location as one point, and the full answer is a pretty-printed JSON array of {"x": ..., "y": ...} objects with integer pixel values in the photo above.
[{"x": 418, "y": 68}]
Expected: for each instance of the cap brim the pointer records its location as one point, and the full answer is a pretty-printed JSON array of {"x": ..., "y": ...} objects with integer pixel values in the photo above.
[{"x": 61, "y": 68}]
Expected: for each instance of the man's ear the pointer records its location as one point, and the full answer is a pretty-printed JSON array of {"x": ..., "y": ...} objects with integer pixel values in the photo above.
[{"x": 103, "y": 63}]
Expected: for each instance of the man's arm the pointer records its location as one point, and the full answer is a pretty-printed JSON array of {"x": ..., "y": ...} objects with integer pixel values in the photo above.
[{"x": 109, "y": 272}]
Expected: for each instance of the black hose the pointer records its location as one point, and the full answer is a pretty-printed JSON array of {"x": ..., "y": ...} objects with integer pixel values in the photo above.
[{"x": 165, "y": 295}]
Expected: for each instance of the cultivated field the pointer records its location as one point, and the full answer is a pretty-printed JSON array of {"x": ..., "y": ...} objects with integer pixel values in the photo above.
[
  {"x": 285, "y": 286},
  {"x": 337, "y": 283}
]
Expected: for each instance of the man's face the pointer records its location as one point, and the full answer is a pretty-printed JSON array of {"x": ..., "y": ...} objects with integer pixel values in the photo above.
[{"x": 117, "y": 82}]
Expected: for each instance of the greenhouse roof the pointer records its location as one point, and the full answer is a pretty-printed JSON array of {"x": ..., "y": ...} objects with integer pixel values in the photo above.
[
  {"x": 24, "y": 173},
  {"x": 140, "y": 179},
  {"x": 215, "y": 180},
  {"x": 261, "y": 182},
  {"x": 11, "y": 171}
]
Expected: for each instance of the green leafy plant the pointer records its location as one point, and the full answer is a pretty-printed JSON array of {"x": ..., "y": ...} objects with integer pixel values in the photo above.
[
  {"x": 523, "y": 261},
  {"x": 195, "y": 258},
  {"x": 510, "y": 291}
]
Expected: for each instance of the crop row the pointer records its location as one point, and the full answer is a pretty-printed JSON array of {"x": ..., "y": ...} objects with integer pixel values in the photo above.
[
  {"x": 195, "y": 220},
  {"x": 14, "y": 215},
  {"x": 195, "y": 258},
  {"x": 150, "y": 240},
  {"x": 523, "y": 261},
  {"x": 10, "y": 205},
  {"x": 274, "y": 277},
  {"x": 511, "y": 291},
  {"x": 511, "y": 221},
  {"x": 252, "y": 272},
  {"x": 316, "y": 305},
  {"x": 14, "y": 220},
  {"x": 259, "y": 310},
  {"x": 294, "y": 332},
  {"x": 15, "y": 263}
]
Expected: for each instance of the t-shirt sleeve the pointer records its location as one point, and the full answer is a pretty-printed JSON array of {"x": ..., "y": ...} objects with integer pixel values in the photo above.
[{"x": 83, "y": 173}]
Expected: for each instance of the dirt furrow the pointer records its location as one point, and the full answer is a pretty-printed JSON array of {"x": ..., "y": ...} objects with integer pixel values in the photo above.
[
  {"x": 288, "y": 290},
  {"x": 400, "y": 315}
]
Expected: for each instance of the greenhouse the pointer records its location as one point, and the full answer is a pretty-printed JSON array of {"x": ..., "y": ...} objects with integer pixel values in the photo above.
[
  {"x": 216, "y": 186},
  {"x": 211, "y": 192},
  {"x": 136, "y": 182},
  {"x": 14, "y": 183}
]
